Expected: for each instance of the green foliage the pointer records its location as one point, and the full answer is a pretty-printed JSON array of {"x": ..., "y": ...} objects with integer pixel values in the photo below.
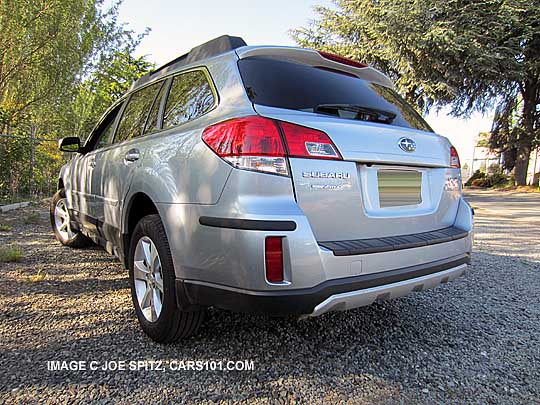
[
  {"x": 112, "y": 77},
  {"x": 494, "y": 169},
  {"x": 62, "y": 62},
  {"x": 481, "y": 183},
  {"x": 469, "y": 54},
  {"x": 45, "y": 44},
  {"x": 498, "y": 179},
  {"x": 483, "y": 140},
  {"x": 5, "y": 228},
  {"x": 10, "y": 254}
]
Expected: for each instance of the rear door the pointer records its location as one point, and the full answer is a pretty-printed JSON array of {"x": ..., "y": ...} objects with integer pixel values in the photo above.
[
  {"x": 114, "y": 165},
  {"x": 394, "y": 178}
]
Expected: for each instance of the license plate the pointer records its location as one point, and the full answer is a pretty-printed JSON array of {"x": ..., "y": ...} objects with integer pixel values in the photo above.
[{"x": 399, "y": 187}]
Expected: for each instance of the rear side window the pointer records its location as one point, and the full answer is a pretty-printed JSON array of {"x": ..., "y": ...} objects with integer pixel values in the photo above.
[
  {"x": 190, "y": 97},
  {"x": 135, "y": 114},
  {"x": 306, "y": 88}
]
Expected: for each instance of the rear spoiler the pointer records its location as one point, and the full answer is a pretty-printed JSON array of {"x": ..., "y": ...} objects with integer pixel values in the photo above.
[{"x": 314, "y": 58}]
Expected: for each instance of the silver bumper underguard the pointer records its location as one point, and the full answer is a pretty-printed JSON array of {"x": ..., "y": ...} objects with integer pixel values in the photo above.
[{"x": 355, "y": 299}]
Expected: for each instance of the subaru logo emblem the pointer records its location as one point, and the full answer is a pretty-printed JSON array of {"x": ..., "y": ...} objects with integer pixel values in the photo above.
[{"x": 407, "y": 144}]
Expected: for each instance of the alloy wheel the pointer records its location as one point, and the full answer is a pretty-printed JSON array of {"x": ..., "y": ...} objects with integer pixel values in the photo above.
[
  {"x": 148, "y": 278},
  {"x": 62, "y": 221}
]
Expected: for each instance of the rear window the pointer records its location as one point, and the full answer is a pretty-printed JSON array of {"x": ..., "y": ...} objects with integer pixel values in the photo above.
[{"x": 306, "y": 88}]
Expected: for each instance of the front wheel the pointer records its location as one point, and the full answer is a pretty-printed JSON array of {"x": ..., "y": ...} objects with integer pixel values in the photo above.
[
  {"x": 61, "y": 223},
  {"x": 153, "y": 291}
]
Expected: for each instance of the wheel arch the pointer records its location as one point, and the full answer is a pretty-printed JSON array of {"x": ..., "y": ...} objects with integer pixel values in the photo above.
[
  {"x": 61, "y": 176},
  {"x": 139, "y": 205}
]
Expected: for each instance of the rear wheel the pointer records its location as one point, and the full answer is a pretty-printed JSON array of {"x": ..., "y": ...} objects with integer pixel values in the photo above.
[
  {"x": 153, "y": 291},
  {"x": 61, "y": 223}
]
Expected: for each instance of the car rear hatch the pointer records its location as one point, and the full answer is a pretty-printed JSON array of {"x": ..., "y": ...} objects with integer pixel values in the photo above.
[{"x": 393, "y": 175}]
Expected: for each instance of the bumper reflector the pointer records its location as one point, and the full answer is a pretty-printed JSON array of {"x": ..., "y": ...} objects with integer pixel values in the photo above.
[{"x": 273, "y": 255}]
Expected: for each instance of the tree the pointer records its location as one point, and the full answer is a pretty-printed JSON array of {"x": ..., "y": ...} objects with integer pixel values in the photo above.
[
  {"x": 470, "y": 54},
  {"x": 44, "y": 47},
  {"x": 112, "y": 78},
  {"x": 61, "y": 63}
]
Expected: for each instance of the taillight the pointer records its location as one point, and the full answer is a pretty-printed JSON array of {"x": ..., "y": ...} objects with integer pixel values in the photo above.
[
  {"x": 255, "y": 143},
  {"x": 308, "y": 143},
  {"x": 341, "y": 59},
  {"x": 454, "y": 158},
  {"x": 273, "y": 257},
  {"x": 251, "y": 143}
]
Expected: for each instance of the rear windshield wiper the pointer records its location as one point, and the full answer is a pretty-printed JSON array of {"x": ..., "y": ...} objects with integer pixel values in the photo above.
[{"x": 362, "y": 113}]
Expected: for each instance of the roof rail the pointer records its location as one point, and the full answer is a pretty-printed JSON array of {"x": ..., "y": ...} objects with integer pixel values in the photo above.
[{"x": 211, "y": 48}]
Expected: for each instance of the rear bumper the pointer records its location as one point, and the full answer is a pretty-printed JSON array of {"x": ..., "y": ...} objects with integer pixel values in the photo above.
[
  {"x": 360, "y": 298},
  {"x": 331, "y": 295}
]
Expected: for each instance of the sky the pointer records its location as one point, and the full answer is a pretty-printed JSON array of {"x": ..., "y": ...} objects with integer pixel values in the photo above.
[{"x": 177, "y": 26}]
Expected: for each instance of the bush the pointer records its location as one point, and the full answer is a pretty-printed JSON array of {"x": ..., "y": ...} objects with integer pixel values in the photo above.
[
  {"x": 488, "y": 181},
  {"x": 497, "y": 179},
  {"x": 494, "y": 169},
  {"x": 480, "y": 183},
  {"x": 476, "y": 175}
]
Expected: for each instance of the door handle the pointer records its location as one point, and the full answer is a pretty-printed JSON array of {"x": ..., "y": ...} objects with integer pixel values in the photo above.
[{"x": 132, "y": 155}]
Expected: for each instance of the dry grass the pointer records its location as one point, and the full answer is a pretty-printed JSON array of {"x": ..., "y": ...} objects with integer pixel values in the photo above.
[{"x": 39, "y": 276}]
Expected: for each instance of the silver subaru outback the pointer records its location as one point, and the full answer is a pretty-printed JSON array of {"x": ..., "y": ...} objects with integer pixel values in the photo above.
[{"x": 264, "y": 179}]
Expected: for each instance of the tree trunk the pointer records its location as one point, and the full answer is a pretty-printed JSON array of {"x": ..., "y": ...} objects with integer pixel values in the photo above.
[
  {"x": 526, "y": 137},
  {"x": 522, "y": 164},
  {"x": 32, "y": 158}
]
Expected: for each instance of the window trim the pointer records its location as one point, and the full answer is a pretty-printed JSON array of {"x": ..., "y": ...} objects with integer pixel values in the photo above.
[{"x": 166, "y": 87}]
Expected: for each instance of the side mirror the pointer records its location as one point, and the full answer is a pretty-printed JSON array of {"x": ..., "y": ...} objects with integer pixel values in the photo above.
[{"x": 69, "y": 144}]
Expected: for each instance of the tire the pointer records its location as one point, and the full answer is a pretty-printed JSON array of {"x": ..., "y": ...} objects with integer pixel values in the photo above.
[
  {"x": 153, "y": 290},
  {"x": 60, "y": 223}
]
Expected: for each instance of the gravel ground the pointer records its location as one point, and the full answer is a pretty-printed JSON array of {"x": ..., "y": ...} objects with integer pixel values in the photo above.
[{"x": 474, "y": 340}]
